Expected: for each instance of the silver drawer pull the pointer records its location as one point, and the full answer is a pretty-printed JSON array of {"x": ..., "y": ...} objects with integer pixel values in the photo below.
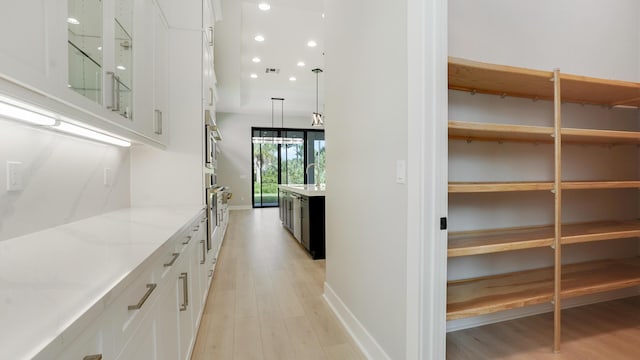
[
  {"x": 204, "y": 252},
  {"x": 170, "y": 263},
  {"x": 93, "y": 357},
  {"x": 138, "y": 306},
  {"x": 185, "y": 290},
  {"x": 210, "y": 273},
  {"x": 188, "y": 239}
]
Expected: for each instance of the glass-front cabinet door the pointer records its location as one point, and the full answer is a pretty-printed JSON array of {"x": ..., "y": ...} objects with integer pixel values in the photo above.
[
  {"x": 84, "y": 24},
  {"x": 122, "y": 77}
]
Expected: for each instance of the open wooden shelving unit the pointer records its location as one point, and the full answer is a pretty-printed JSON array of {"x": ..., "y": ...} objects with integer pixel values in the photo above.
[{"x": 484, "y": 295}]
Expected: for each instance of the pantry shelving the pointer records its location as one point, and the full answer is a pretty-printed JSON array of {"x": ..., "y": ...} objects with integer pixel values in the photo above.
[{"x": 483, "y": 295}]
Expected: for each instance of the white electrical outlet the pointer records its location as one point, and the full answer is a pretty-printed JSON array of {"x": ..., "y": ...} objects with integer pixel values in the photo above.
[{"x": 14, "y": 176}]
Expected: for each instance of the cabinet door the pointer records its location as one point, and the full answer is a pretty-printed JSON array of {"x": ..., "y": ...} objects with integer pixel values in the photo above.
[
  {"x": 23, "y": 48},
  {"x": 183, "y": 290},
  {"x": 168, "y": 329},
  {"x": 142, "y": 343},
  {"x": 160, "y": 120}
]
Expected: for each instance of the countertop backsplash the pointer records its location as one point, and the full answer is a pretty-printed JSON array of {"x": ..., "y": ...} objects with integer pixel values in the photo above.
[{"x": 63, "y": 179}]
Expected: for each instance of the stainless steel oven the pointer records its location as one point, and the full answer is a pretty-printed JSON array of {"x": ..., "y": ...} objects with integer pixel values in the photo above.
[{"x": 212, "y": 214}]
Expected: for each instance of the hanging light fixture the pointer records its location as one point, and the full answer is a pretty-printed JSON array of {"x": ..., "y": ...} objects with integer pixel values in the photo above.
[
  {"x": 276, "y": 139},
  {"x": 316, "y": 118}
]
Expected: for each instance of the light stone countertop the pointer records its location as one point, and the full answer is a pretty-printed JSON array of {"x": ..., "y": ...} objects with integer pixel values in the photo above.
[
  {"x": 51, "y": 278},
  {"x": 304, "y": 189}
]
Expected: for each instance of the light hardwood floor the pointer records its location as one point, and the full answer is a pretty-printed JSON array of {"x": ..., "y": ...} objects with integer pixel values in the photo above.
[
  {"x": 266, "y": 300},
  {"x": 604, "y": 331}
]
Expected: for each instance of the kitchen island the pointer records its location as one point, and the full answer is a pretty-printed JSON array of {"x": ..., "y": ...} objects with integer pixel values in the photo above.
[{"x": 302, "y": 213}]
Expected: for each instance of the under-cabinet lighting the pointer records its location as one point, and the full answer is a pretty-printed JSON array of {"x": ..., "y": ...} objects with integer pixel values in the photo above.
[
  {"x": 264, "y": 6},
  {"x": 90, "y": 134},
  {"x": 16, "y": 112},
  {"x": 73, "y": 21}
]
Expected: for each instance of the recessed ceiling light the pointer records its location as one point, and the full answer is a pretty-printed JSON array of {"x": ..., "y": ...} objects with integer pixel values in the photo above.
[
  {"x": 323, "y": 15},
  {"x": 120, "y": 67},
  {"x": 264, "y": 6},
  {"x": 301, "y": 63},
  {"x": 259, "y": 38},
  {"x": 99, "y": 48},
  {"x": 256, "y": 59},
  {"x": 312, "y": 43},
  {"x": 73, "y": 21},
  {"x": 293, "y": 78},
  {"x": 254, "y": 76}
]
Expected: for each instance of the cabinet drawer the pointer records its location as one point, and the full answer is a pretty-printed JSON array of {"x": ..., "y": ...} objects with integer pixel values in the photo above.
[{"x": 95, "y": 343}]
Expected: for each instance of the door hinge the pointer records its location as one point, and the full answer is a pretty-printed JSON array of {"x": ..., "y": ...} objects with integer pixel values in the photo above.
[{"x": 443, "y": 223}]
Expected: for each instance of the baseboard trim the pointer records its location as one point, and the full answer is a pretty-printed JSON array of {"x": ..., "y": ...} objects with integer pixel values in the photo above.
[
  {"x": 367, "y": 344},
  {"x": 239, "y": 207},
  {"x": 461, "y": 324}
]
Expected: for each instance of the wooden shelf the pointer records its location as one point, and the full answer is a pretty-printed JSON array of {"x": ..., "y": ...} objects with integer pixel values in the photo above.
[
  {"x": 499, "y": 132},
  {"x": 474, "y": 76},
  {"x": 589, "y": 90},
  {"x": 594, "y": 185},
  {"x": 465, "y": 243},
  {"x": 478, "y": 187},
  {"x": 484, "y": 295},
  {"x": 582, "y": 136}
]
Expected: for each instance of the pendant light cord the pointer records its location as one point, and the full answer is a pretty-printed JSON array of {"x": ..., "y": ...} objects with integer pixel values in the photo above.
[{"x": 316, "y": 91}]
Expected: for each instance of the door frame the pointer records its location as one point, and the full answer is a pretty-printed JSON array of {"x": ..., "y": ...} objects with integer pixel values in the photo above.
[{"x": 427, "y": 179}]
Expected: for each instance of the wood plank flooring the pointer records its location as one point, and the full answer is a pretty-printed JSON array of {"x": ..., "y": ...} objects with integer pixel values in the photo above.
[
  {"x": 604, "y": 331},
  {"x": 266, "y": 300}
]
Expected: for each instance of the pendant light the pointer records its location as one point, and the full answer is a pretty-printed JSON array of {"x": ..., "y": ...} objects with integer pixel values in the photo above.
[
  {"x": 276, "y": 139},
  {"x": 316, "y": 118}
]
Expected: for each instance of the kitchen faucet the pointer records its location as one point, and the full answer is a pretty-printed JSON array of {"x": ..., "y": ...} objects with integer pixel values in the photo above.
[{"x": 306, "y": 171}]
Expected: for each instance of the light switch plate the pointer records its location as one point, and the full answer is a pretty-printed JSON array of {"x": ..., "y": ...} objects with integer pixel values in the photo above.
[
  {"x": 14, "y": 176},
  {"x": 401, "y": 171}
]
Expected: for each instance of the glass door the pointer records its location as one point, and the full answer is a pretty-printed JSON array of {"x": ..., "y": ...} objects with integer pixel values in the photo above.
[{"x": 265, "y": 171}]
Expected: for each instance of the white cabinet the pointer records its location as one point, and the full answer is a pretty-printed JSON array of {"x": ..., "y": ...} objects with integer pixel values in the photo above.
[
  {"x": 159, "y": 128},
  {"x": 94, "y": 342},
  {"x": 142, "y": 343}
]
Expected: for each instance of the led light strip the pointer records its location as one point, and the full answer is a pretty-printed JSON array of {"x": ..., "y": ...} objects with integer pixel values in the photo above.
[{"x": 17, "y": 111}]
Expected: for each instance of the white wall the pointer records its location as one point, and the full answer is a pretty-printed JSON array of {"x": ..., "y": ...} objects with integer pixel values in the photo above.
[
  {"x": 366, "y": 132},
  {"x": 63, "y": 179},
  {"x": 234, "y": 165}
]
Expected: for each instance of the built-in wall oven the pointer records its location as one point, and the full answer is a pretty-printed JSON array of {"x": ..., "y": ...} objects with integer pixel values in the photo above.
[{"x": 213, "y": 193}]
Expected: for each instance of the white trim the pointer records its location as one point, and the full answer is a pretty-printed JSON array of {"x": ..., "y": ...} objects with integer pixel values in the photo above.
[
  {"x": 239, "y": 207},
  {"x": 461, "y": 324},
  {"x": 427, "y": 190},
  {"x": 367, "y": 344}
]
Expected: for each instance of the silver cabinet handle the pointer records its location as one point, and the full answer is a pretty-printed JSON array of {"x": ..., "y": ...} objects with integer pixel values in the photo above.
[
  {"x": 185, "y": 289},
  {"x": 157, "y": 123},
  {"x": 210, "y": 273},
  {"x": 211, "y": 96},
  {"x": 93, "y": 357},
  {"x": 170, "y": 263},
  {"x": 210, "y": 29},
  {"x": 188, "y": 240},
  {"x": 115, "y": 92},
  {"x": 204, "y": 252},
  {"x": 138, "y": 306}
]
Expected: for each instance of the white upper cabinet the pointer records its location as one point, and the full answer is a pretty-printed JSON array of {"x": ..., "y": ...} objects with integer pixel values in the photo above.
[{"x": 98, "y": 62}]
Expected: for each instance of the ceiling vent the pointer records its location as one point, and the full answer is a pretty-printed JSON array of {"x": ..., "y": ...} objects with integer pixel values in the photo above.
[{"x": 272, "y": 71}]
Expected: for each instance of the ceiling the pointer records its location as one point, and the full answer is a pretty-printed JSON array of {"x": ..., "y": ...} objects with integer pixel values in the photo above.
[{"x": 286, "y": 27}]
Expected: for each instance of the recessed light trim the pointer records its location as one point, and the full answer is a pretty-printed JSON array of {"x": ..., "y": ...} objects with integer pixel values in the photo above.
[
  {"x": 301, "y": 63},
  {"x": 264, "y": 6},
  {"x": 259, "y": 38},
  {"x": 312, "y": 43},
  {"x": 256, "y": 59},
  {"x": 254, "y": 76},
  {"x": 73, "y": 21}
]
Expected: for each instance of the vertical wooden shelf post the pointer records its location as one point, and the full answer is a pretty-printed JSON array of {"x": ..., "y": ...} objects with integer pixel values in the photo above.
[{"x": 557, "y": 108}]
